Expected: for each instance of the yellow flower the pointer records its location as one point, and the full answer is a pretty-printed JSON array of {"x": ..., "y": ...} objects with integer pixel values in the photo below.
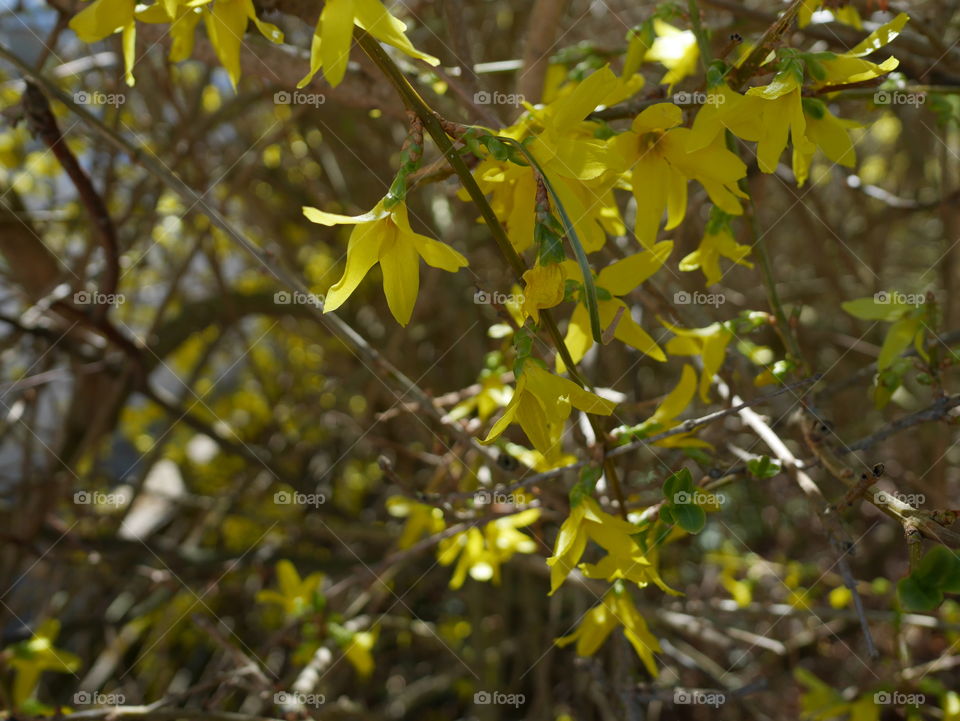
[
  {"x": 625, "y": 559},
  {"x": 713, "y": 246},
  {"x": 106, "y": 17},
  {"x": 541, "y": 404},
  {"x": 543, "y": 288},
  {"x": 665, "y": 416},
  {"x": 358, "y": 652},
  {"x": 850, "y": 67},
  {"x": 676, "y": 50},
  {"x": 616, "y": 609},
  {"x": 330, "y": 47},
  {"x": 422, "y": 520},
  {"x": 826, "y": 131},
  {"x": 295, "y": 595},
  {"x": 32, "y": 657},
  {"x": 482, "y": 553},
  {"x": 384, "y": 236},
  {"x": 226, "y": 22},
  {"x": 660, "y": 160},
  {"x": 183, "y": 21},
  {"x": 617, "y": 279},
  {"x": 848, "y": 14},
  {"x": 709, "y": 343},
  {"x": 493, "y": 394}
]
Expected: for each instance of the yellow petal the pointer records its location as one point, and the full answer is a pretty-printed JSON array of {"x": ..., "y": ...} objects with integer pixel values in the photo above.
[
  {"x": 373, "y": 17},
  {"x": 363, "y": 252},
  {"x": 336, "y": 37},
  {"x": 102, "y": 18},
  {"x": 400, "y": 264}
]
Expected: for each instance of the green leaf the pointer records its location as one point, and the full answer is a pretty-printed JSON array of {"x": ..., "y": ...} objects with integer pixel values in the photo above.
[
  {"x": 666, "y": 514},
  {"x": 915, "y": 597},
  {"x": 940, "y": 568},
  {"x": 690, "y": 518},
  {"x": 881, "y": 306},
  {"x": 677, "y": 482},
  {"x": 897, "y": 340},
  {"x": 763, "y": 467}
]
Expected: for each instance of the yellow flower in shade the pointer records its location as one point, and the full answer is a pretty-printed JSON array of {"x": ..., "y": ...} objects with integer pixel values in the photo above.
[
  {"x": 616, "y": 609},
  {"x": 333, "y": 37},
  {"x": 32, "y": 657},
  {"x": 713, "y": 246},
  {"x": 660, "y": 160},
  {"x": 541, "y": 404},
  {"x": 384, "y": 236},
  {"x": 295, "y": 595},
  {"x": 665, "y": 416},
  {"x": 825, "y": 131},
  {"x": 676, "y": 50},
  {"x": 422, "y": 520},
  {"x": 493, "y": 395},
  {"x": 481, "y": 553},
  {"x": 617, "y": 279},
  {"x": 182, "y": 18},
  {"x": 226, "y": 22},
  {"x": 358, "y": 652},
  {"x": 848, "y": 14},
  {"x": 543, "y": 288},
  {"x": 709, "y": 343},
  {"x": 625, "y": 559},
  {"x": 106, "y": 17}
]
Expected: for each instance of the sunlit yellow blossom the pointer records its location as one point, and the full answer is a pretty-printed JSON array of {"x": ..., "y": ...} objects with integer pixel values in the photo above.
[
  {"x": 295, "y": 595},
  {"x": 617, "y": 279},
  {"x": 625, "y": 559},
  {"x": 658, "y": 156},
  {"x": 543, "y": 288},
  {"x": 850, "y": 67},
  {"x": 616, "y": 609},
  {"x": 713, "y": 246},
  {"x": 541, "y": 404},
  {"x": 481, "y": 553},
  {"x": 333, "y": 37},
  {"x": 106, "y": 17},
  {"x": 709, "y": 343},
  {"x": 226, "y": 22},
  {"x": 422, "y": 520},
  {"x": 666, "y": 415},
  {"x": 384, "y": 236},
  {"x": 676, "y": 50}
]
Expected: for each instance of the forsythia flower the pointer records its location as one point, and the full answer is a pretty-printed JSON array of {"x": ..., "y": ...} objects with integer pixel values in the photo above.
[
  {"x": 422, "y": 520},
  {"x": 850, "y": 67},
  {"x": 625, "y": 558},
  {"x": 660, "y": 160},
  {"x": 295, "y": 595},
  {"x": 676, "y": 50},
  {"x": 482, "y": 553},
  {"x": 713, "y": 246},
  {"x": 847, "y": 14},
  {"x": 541, "y": 404},
  {"x": 183, "y": 24},
  {"x": 226, "y": 22},
  {"x": 106, "y": 17},
  {"x": 709, "y": 343},
  {"x": 616, "y": 609},
  {"x": 543, "y": 288},
  {"x": 384, "y": 236},
  {"x": 825, "y": 131},
  {"x": 330, "y": 48},
  {"x": 617, "y": 279},
  {"x": 32, "y": 657},
  {"x": 494, "y": 394},
  {"x": 665, "y": 416}
]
